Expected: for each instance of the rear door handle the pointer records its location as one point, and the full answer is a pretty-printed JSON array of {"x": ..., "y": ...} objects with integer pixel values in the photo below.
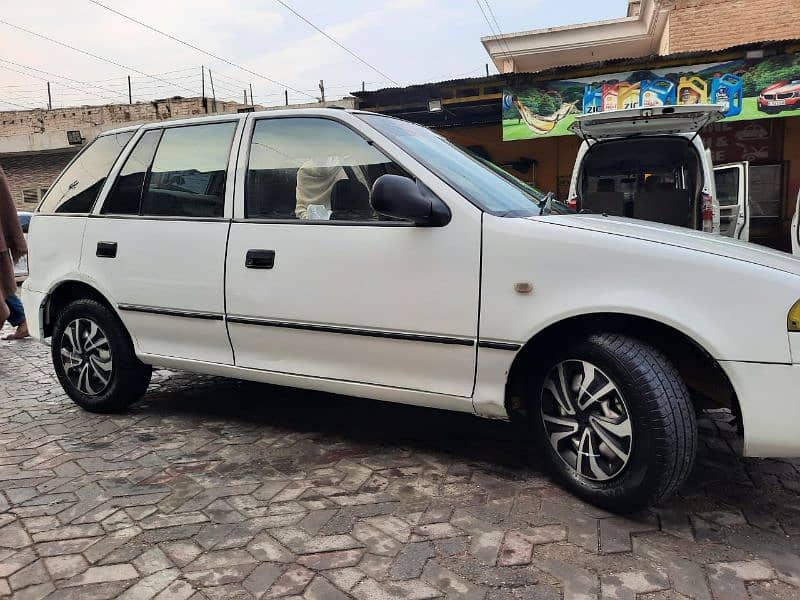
[
  {"x": 107, "y": 249},
  {"x": 260, "y": 259}
]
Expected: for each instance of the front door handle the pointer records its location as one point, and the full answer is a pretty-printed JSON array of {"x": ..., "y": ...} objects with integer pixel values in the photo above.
[
  {"x": 107, "y": 249},
  {"x": 260, "y": 259}
]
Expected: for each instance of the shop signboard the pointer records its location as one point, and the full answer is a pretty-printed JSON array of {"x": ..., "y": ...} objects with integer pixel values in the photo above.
[{"x": 748, "y": 89}]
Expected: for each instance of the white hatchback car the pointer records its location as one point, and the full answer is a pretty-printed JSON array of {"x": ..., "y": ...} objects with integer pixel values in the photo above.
[{"x": 359, "y": 254}]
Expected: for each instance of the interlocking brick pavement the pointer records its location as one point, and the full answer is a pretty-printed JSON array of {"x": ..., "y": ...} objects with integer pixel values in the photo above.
[{"x": 214, "y": 488}]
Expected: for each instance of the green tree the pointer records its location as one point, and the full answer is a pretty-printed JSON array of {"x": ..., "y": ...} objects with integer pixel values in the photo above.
[{"x": 769, "y": 71}]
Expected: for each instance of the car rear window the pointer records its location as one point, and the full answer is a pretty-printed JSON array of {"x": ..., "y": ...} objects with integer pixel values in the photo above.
[{"x": 76, "y": 190}]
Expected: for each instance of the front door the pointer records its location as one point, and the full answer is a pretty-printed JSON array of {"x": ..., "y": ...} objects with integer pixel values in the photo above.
[
  {"x": 796, "y": 228},
  {"x": 731, "y": 182},
  {"x": 319, "y": 285},
  {"x": 156, "y": 247}
]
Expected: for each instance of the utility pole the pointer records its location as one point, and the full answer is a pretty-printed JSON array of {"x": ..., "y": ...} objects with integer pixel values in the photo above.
[
  {"x": 49, "y": 98},
  {"x": 363, "y": 87},
  {"x": 487, "y": 69},
  {"x": 245, "y": 96},
  {"x": 213, "y": 95},
  {"x": 203, "y": 86},
  {"x": 130, "y": 95},
  {"x": 322, "y": 90},
  {"x": 252, "y": 103},
  {"x": 286, "y": 96}
]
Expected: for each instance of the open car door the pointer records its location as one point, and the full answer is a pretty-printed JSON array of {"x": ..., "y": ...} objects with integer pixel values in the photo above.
[
  {"x": 732, "y": 182},
  {"x": 796, "y": 228},
  {"x": 657, "y": 120}
]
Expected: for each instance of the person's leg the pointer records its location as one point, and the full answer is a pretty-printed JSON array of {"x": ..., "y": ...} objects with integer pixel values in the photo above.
[
  {"x": 17, "y": 318},
  {"x": 4, "y": 313}
]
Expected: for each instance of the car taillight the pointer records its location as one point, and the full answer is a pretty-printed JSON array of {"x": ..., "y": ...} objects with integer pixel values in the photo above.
[{"x": 708, "y": 213}]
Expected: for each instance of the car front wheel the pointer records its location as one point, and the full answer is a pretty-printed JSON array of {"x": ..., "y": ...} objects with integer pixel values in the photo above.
[
  {"x": 94, "y": 358},
  {"x": 615, "y": 422}
]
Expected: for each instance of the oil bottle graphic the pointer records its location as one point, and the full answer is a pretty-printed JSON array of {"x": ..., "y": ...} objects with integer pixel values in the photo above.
[
  {"x": 728, "y": 90},
  {"x": 659, "y": 92},
  {"x": 692, "y": 90},
  {"x": 592, "y": 99},
  {"x": 628, "y": 95},
  {"x": 610, "y": 95}
]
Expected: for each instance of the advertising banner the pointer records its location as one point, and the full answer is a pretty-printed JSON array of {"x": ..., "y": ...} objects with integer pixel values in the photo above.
[{"x": 747, "y": 88}]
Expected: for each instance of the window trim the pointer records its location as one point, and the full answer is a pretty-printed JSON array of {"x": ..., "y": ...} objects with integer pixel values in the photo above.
[
  {"x": 146, "y": 174},
  {"x": 230, "y": 168},
  {"x": 100, "y": 199},
  {"x": 244, "y": 165}
]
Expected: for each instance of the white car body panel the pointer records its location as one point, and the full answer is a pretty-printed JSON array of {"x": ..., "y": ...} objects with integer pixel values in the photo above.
[
  {"x": 730, "y": 297},
  {"x": 795, "y": 228}
]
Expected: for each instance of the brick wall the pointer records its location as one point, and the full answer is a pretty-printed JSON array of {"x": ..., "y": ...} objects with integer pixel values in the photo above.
[
  {"x": 717, "y": 24},
  {"x": 33, "y": 172},
  {"x": 109, "y": 116}
]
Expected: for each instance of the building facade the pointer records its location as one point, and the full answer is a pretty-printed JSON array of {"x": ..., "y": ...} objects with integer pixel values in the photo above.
[
  {"x": 679, "y": 37},
  {"x": 35, "y": 145}
]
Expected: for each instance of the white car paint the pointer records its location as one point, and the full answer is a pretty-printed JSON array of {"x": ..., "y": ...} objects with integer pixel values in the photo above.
[
  {"x": 795, "y": 229},
  {"x": 458, "y": 280}
]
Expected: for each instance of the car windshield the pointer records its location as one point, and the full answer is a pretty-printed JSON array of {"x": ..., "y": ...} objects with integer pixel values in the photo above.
[{"x": 484, "y": 184}]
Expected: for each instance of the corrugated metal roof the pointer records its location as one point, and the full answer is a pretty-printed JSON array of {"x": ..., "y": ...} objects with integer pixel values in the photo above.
[{"x": 424, "y": 89}]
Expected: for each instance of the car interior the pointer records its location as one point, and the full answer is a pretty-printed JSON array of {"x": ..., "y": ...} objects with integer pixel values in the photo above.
[
  {"x": 273, "y": 193},
  {"x": 653, "y": 179}
]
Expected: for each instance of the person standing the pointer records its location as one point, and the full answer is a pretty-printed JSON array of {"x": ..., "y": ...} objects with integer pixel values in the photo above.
[{"x": 12, "y": 248}]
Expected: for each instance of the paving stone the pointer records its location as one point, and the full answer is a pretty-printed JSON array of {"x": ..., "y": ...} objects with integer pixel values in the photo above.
[
  {"x": 204, "y": 491},
  {"x": 321, "y": 589},
  {"x": 65, "y": 566},
  {"x": 150, "y": 586},
  {"x": 261, "y": 579},
  {"x": 293, "y": 581},
  {"x": 103, "y": 574},
  {"x": 331, "y": 560}
]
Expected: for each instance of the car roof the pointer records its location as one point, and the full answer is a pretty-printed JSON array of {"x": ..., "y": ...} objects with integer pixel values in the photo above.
[{"x": 221, "y": 117}]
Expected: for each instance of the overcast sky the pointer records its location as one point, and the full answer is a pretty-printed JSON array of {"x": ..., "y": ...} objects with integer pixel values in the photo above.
[{"x": 411, "y": 41}]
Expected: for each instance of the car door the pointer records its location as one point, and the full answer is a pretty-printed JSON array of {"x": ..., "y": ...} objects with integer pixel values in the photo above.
[
  {"x": 156, "y": 245},
  {"x": 796, "y": 228},
  {"x": 319, "y": 285},
  {"x": 731, "y": 182}
]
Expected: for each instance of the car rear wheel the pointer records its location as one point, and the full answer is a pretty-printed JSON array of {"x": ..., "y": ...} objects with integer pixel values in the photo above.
[
  {"x": 615, "y": 422},
  {"x": 94, "y": 359}
]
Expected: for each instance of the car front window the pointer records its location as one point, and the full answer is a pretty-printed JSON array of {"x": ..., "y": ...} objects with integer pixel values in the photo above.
[{"x": 484, "y": 184}]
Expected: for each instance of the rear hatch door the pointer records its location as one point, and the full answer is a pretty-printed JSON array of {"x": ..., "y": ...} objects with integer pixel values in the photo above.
[{"x": 659, "y": 120}]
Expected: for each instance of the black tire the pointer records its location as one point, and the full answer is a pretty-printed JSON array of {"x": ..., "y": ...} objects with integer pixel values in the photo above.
[
  {"x": 663, "y": 441},
  {"x": 111, "y": 370}
]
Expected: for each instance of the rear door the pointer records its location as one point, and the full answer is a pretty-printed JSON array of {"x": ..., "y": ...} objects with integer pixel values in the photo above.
[
  {"x": 156, "y": 246},
  {"x": 663, "y": 120},
  {"x": 731, "y": 182}
]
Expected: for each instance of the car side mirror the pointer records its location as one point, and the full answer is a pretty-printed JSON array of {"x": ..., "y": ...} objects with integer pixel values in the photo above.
[{"x": 403, "y": 198}]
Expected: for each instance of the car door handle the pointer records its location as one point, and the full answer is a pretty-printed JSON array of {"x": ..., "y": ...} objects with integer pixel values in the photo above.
[
  {"x": 107, "y": 249},
  {"x": 260, "y": 259}
]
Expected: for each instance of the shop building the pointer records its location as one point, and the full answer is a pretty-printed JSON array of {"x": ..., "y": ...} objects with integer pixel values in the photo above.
[{"x": 696, "y": 44}]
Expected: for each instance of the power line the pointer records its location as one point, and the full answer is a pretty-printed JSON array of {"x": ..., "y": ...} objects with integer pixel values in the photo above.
[
  {"x": 95, "y": 56},
  {"x": 15, "y": 104},
  {"x": 496, "y": 34},
  {"x": 99, "y": 87},
  {"x": 106, "y": 98},
  {"x": 335, "y": 41},
  {"x": 499, "y": 29},
  {"x": 193, "y": 47}
]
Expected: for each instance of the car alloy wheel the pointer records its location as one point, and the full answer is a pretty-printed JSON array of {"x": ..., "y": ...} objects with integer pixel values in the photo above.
[
  {"x": 586, "y": 420},
  {"x": 86, "y": 356}
]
